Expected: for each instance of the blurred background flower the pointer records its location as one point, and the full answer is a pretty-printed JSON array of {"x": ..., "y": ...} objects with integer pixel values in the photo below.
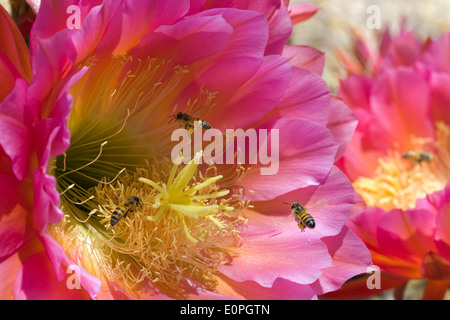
[
  {"x": 358, "y": 55},
  {"x": 334, "y": 25},
  {"x": 398, "y": 158},
  {"x": 89, "y": 130}
]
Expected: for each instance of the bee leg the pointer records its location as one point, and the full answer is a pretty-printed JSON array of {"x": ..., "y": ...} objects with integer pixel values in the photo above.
[{"x": 302, "y": 226}]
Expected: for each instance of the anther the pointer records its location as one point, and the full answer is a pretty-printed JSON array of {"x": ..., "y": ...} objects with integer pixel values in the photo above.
[
  {"x": 82, "y": 202},
  {"x": 68, "y": 188}
]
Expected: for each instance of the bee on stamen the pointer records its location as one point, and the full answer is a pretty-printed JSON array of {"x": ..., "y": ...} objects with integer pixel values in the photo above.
[
  {"x": 122, "y": 211},
  {"x": 418, "y": 156}
]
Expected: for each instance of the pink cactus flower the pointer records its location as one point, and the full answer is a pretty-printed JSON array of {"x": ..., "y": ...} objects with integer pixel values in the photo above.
[
  {"x": 398, "y": 159},
  {"x": 90, "y": 138}
]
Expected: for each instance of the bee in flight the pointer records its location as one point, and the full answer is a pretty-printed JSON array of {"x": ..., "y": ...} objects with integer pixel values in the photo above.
[
  {"x": 418, "y": 157},
  {"x": 302, "y": 217},
  {"x": 189, "y": 122},
  {"x": 122, "y": 211}
]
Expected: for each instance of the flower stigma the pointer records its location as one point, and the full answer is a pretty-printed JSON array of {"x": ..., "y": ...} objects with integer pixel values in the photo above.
[{"x": 174, "y": 197}]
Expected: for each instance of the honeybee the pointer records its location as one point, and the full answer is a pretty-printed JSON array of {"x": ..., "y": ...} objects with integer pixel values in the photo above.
[
  {"x": 302, "y": 217},
  {"x": 122, "y": 211},
  {"x": 189, "y": 122},
  {"x": 418, "y": 157}
]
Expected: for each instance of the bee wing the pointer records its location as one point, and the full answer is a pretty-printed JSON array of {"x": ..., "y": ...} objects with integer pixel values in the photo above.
[{"x": 198, "y": 123}]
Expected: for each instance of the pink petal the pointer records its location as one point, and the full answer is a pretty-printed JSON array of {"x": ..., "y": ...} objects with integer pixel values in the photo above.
[
  {"x": 164, "y": 12},
  {"x": 51, "y": 19},
  {"x": 229, "y": 32},
  {"x": 305, "y": 57},
  {"x": 440, "y": 204},
  {"x": 13, "y": 47},
  {"x": 440, "y": 96},
  {"x": 134, "y": 19},
  {"x": 407, "y": 235},
  {"x": 13, "y": 216},
  {"x": 329, "y": 203},
  {"x": 14, "y": 129},
  {"x": 359, "y": 158},
  {"x": 92, "y": 37},
  {"x": 117, "y": 26},
  {"x": 8, "y": 269},
  {"x": 403, "y": 50},
  {"x": 217, "y": 77},
  {"x": 389, "y": 237},
  {"x": 342, "y": 124},
  {"x": 36, "y": 280},
  {"x": 9, "y": 74},
  {"x": 250, "y": 31},
  {"x": 438, "y": 53},
  {"x": 200, "y": 38},
  {"x": 307, "y": 97},
  {"x": 280, "y": 28},
  {"x": 46, "y": 200},
  {"x": 47, "y": 131},
  {"x": 60, "y": 263},
  {"x": 112, "y": 26},
  {"x": 302, "y": 162},
  {"x": 302, "y": 11},
  {"x": 49, "y": 64},
  {"x": 365, "y": 226},
  {"x": 355, "y": 91},
  {"x": 196, "y": 6},
  {"x": 293, "y": 257},
  {"x": 401, "y": 96},
  {"x": 350, "y": 257},
  {"x": 260, "y": 94},
  {"x": 281, "y": 289},
  {"x": 275, "y": 13},
  {"x": 52, "y": 134}
]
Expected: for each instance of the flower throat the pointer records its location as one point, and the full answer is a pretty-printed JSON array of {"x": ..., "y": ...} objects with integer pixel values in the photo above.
[{"x": 404, "y": 177}]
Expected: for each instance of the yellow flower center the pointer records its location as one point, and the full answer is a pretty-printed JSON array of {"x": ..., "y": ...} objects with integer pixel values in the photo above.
[
  {"x": 182, "y": 230},
  {"x": 175, "y": 198},
  {"x": 403, "y": 177}
]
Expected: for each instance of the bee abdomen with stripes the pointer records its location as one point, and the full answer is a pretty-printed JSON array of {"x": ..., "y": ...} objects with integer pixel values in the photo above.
[{"x": 121, "y": 211}]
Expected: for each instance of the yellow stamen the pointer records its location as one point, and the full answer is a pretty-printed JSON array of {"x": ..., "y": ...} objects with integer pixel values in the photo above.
[
  {"x": 187, "y": 203},
  {"x": 161, "y": 242},
  {"x": 186, "y": 231}
]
